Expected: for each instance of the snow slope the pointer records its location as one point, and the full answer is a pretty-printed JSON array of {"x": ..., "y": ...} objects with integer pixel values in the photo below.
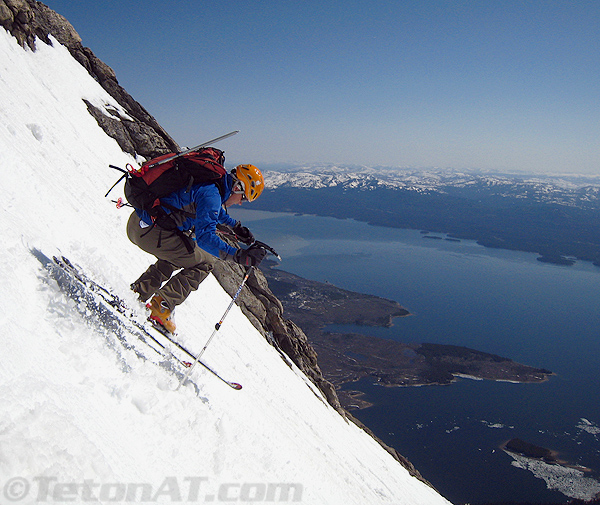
[{"x": 86, "y": 421}]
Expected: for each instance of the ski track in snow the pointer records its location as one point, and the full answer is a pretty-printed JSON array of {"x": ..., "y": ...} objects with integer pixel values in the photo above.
[{"x": 77, "y": 406}]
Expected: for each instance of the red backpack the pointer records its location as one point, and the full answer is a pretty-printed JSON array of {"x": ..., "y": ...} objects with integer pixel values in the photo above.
[
  {"x": 156, "y": 178},
  {"x": 161, "y": 176},
  {"x": 171, "y": 172}
]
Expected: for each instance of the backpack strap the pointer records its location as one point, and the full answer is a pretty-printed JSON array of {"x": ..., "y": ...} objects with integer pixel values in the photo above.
[
  {"x": 187, "y": 241},
  {"x": 165, "y": 222},
  {"x": 172, "y": 208}
]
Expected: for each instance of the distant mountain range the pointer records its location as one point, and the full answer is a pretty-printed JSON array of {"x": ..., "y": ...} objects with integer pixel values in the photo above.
[{"x": 557, "y": 217}]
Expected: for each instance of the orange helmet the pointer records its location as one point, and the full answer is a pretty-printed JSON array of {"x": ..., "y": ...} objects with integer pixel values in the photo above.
[{"x": 252, "y": 180}]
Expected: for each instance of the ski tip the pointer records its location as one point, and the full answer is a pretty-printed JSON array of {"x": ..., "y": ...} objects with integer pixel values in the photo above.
[{"x": 235, "y": 385}]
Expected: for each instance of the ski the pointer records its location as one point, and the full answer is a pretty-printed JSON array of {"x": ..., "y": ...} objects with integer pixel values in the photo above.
[
  {"x": 169, "y": 336},
  {"x": 128, "y": 170},
  {"x": 120, "y": 306},
  {"x": 192, "y": 149}
]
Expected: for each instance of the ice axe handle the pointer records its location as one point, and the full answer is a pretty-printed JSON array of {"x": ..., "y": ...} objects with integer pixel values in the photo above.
[{"x": 258, "y": 243}]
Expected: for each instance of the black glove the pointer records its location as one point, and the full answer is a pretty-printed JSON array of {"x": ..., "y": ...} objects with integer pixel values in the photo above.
[
  {"x": 243, "y": 234},
  {"x": 250, "y": 257}
]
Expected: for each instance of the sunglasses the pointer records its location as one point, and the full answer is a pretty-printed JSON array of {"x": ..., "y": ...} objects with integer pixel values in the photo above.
[{"x": 238, "y": 189}]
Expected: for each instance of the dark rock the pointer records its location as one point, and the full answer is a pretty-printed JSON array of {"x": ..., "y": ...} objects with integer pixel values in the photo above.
[
  {"x": 114, "y": 128},
  {"x": 529, "y": 450},
  {"x": 140, "y": 134},
  {"x": 7, "y": 17}
]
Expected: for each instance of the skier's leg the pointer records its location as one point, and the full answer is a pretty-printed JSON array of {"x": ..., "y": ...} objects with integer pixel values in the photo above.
[
  {"x": 177, "y": 289},
  {"x": 152, "y": 279},
  {"x": 169, "y": 247}
]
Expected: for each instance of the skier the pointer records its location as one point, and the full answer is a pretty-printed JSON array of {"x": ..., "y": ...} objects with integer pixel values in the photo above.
[{"x": 175, "y": 249}]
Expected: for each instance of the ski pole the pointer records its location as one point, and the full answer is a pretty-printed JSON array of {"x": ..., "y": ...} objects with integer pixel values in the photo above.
[{"x": 217, "y": 328}]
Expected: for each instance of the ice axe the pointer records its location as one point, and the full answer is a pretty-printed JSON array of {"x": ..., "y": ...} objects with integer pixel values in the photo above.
[
  {"x": 266, "y": 247},
  {"x": 225, "y": 230}
]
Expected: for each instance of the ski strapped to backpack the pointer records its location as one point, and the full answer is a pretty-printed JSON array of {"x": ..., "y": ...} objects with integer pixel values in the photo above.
[{"x": 161, "y": 176}]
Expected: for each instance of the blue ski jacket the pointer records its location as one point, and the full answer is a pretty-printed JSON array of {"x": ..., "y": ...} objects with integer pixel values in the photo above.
[{"x": 206, "y": 203}]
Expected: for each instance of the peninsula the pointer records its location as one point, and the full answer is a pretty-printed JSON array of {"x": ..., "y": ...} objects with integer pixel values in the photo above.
[{"x": 348, "y": 357}]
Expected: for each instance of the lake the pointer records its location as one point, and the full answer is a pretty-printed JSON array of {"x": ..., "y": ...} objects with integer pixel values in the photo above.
[{"x": 496, "y": 301}]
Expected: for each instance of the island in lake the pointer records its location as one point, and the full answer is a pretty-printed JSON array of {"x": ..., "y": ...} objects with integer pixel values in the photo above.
[
  {"x": 529, "y": 450},
  {"x": 348, "y": 357},
  {"x": 535, "y": 452}
]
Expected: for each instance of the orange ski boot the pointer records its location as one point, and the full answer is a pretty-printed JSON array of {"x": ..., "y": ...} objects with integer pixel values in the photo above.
[{"x": 160, "y": 313}]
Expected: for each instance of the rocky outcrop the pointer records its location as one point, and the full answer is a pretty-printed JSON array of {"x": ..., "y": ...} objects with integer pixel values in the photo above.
[
  {"x": 265, "y": 312},
  {"x": 30, "y": 22}
]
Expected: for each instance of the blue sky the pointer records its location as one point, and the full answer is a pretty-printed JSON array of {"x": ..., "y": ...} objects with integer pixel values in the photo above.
[{"x": 499, "y": 85}]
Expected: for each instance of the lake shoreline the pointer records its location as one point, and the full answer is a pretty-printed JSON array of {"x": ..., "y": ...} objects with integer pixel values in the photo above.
[{"x": 346, "y": 358}]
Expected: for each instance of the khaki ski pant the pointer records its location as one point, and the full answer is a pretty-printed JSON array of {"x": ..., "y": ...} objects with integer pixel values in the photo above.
[{"x": 172, "y": 255}]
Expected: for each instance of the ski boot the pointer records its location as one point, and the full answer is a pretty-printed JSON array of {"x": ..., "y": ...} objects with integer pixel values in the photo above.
[{"x": 161, "y": 314}]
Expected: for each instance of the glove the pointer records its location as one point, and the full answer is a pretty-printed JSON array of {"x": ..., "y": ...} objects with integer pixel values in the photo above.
[
  {"x": 243, "y": 234},
  {"x": 250, "y": 257}
]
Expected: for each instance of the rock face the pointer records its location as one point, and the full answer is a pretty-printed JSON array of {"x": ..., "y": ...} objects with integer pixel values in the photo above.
[
  {"x": 265, "y": 312},
  {"x": 28, "y": 20}
]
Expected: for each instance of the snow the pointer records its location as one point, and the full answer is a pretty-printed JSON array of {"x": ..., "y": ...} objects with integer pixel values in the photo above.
[
  {"x": 561, "y": 190},
  {"x": 588, "y": 427},
  {"x": 569, "y": 481},
  {"x": 86, "y": 420}
]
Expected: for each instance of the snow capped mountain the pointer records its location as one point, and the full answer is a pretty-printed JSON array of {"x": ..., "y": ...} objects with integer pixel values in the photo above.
[
  {"x": 566, "y": 190},
  {"x": 86, "y": 419}
]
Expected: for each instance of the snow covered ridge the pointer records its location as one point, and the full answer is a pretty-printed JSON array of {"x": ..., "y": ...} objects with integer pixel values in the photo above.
[
  {"x": 86, "y": 420},
  {"x": 562, "y": 188}
]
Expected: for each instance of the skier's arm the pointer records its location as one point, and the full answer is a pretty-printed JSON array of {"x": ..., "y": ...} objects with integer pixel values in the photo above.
[
  {"x": 225, "y": 218},
  {"x": 208, "y": 214}
]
